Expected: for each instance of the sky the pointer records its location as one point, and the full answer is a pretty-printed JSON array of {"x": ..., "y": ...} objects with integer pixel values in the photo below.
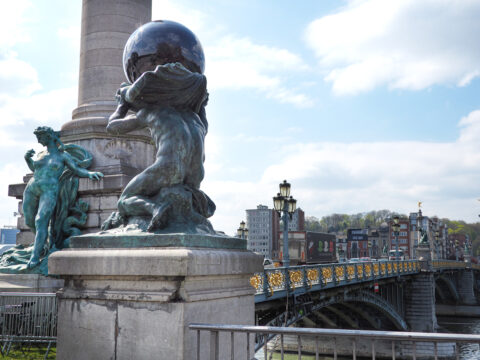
[{"x": 361, "y": 104}]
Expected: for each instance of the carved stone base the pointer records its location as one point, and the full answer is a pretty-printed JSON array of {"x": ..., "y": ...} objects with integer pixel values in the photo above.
[{"x": 137, "y": 303}]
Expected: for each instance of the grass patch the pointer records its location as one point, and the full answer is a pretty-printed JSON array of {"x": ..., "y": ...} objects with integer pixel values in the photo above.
[{"x": 32, "y": 352}]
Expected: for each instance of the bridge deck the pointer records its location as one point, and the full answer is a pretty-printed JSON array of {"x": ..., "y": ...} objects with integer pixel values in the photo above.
[{"x": 276, "y": 283}]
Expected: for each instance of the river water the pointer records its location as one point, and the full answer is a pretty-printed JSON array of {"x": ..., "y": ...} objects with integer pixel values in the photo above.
[
  {"x": 462, "y": 325},
  {"x": 459, "y": 325}
]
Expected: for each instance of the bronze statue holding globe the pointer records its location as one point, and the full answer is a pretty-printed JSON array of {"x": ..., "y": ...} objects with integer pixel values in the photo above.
[{"x": 166, "y": 93}]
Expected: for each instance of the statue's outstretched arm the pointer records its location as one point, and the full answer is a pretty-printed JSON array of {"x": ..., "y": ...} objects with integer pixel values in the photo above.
[
  {"x": 28, "y": 159},
  {"x": 81, "y": 172},
  {"x": 125, "y": 125}
]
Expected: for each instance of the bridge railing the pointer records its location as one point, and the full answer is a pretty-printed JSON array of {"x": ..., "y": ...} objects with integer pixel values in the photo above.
[
  {"x": 365, "y": 343},
  {"x": 305, "y": 278},
  {"x": 453, "y": 264}
]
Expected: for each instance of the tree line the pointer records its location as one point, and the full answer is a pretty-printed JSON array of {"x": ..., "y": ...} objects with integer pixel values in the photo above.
[{"x": 373, "y": 219}]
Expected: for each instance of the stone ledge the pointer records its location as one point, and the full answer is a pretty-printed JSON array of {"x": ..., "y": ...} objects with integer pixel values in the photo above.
[
  {"x": 138, "y": 239},
  {"x": 153, "y": 262}
]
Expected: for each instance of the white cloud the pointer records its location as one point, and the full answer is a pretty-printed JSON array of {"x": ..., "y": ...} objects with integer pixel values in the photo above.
[
  {"x": 9, "y": 174},
  {"x": 12, "y": 23},
  {"x": 17, "y": 77},
  {"x": 355, "y": 177},
  {"x": 238, "y": 63},
  {"x": 404, "y": 44},
  {"x": 52, "y": 108}
]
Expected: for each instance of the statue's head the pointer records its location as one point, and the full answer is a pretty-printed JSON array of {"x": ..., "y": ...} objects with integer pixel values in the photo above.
[{"x": 45, "y": 134}]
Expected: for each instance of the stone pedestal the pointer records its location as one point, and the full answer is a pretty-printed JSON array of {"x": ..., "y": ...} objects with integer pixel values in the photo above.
[
  {"x": 424, "y": 256},
  {"x": 137, "y": 302},
  {"x": 29, "y": 283},
  {"x": 420, "y": 303},
  {"x": 465, "y": 283}
]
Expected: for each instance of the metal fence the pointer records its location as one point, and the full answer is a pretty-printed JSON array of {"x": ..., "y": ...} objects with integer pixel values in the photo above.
[
  {"x": 27, "y": 318},
  {"x": 273, "y": 283},
  {"x": 365, "y": 343}
]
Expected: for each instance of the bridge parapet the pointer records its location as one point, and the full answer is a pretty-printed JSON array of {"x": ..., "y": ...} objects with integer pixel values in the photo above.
[
  {"x": 453, "y": 264},
  {"x": 449, "y": 264},
  {"x": 276, "y": 283}
]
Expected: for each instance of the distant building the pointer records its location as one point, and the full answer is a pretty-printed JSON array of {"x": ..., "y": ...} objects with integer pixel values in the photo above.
[
  {"x": 456, "y": 245},
  {"x": 309, "y": 247},
  {"x": 403, "y": 238},
  {"x": 263, "y": 225},
  {"x": 375, "y": 249},
  {"x": 297, "y": 223},
  {"x": 383, "y": 231},
  {"x": 357, "y": 243},
  {"x": 8, "y": 235}
]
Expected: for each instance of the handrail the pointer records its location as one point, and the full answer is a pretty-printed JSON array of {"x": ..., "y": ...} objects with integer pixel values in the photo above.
[
  {"x": 384, "y": 335},
  {"x": 409, "y": 343}
]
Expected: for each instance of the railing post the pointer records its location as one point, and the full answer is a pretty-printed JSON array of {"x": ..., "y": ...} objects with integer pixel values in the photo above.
[
  {"x": 214, "y": 346},
  {"x": 265, "y": 283},
  {"x": 320, "y": 276},
  {"x": 286, "y": 279},
  {"x": 305, "y": 280}
]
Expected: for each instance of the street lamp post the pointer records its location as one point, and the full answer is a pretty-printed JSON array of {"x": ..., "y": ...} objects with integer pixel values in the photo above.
[
  {"x": 283, "y": 202},
  {"x": 242, "y": 231},
  {"x": 457, "y": 244},
  {"x": 396, "y": 228}
]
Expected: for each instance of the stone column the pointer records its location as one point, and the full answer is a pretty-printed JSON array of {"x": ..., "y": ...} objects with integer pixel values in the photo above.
[
  {"x": 420, "y": 303},
  {"x": 136, "y": 299},
  {"x": 106, "y": 27},
  {"x": 465, "y": 281}
]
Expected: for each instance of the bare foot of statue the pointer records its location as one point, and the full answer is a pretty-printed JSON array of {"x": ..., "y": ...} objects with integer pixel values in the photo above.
[
  {"x": 159, "y": 217},
  {"x": 33, "y": 262}
]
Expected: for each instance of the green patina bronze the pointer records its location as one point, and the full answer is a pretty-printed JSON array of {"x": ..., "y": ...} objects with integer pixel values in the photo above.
[
  {"x": 50, "y": 207},
  {"x": 423, "y": 238},
  {"x": 145, "y": 239},
  {"x": 170, "y": 101}
]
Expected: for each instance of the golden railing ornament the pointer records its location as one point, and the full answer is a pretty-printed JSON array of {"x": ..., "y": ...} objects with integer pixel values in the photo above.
[
  {"x": 350, "y": 272},
  {"x": 389, "y": 267},
  {"x": 256, "y": 281},
  {"x": 295, "y": 277},
  {"x": 327, "y": 274},
  {"x": 360, "y": 271},
  {"x": 274, "y": 279},
  {"x": 395, "y": 267},
  {"x": 376, "y": 269},
  {"x": 384, "y": 268},
  {"x": 312, "y": 275},
  {"x": 368, "y": 270},
  {"x": 339, "y": 272}
]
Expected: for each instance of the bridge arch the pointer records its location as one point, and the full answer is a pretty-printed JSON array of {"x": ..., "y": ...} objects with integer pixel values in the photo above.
[
  {"x": 306, "y": 310},
  {"x": 449, "y": 284},
  {"x": 380, "y": 304}
]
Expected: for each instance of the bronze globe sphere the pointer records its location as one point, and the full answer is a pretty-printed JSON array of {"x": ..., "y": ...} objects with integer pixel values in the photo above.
[{"x": 161, "y": 42}]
